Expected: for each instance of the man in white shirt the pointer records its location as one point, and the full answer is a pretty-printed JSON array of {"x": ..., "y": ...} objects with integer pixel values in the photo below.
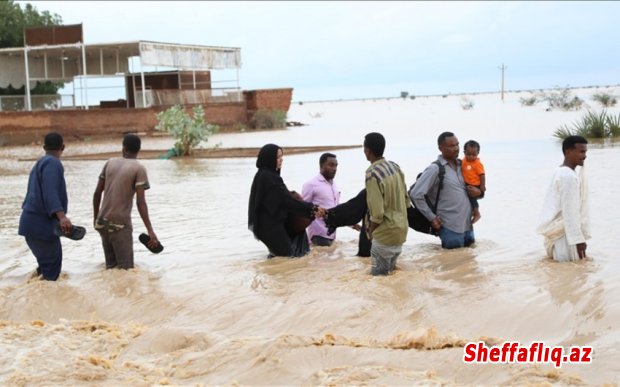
[
  {"x": 322, "y": 191},
  {"x": 565, "y": 222}
]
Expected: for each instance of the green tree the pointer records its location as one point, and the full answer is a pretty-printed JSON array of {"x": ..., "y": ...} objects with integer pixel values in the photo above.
[
  {"x": 12, "y": 23},
  {"x": 188, "y": 131}
]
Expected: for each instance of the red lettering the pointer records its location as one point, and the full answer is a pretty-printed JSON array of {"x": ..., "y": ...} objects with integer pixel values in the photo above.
[
  {"x": 483, "y": 353},
  {"x": 537, "y": 352},
  {"x": 513, "y": 349},
  {"x": 470, "y": 353},
  {"x": 540, "y": 353},
  {"x": 574, "y": 354},
  {"x": 522, "y": 356},
  {"x": 533, "y": 350},
  {"x": 587, "y": 352},
  {"x": 494, "y": 354},
  {"x": 556, "y": 356}
]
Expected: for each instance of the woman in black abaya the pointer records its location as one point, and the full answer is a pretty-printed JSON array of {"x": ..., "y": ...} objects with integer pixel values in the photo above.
[{"x": 271, "y": 206}]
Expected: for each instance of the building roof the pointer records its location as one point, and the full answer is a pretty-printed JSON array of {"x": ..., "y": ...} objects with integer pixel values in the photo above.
[{"x": 62, "y": 62}]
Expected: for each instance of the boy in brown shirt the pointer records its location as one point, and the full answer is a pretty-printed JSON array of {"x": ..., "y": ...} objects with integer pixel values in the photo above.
[{"x": 121, "y": 178}]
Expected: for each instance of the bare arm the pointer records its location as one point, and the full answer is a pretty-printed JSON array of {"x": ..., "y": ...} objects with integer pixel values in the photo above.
[
  {"x": 483, "y": 183},
  {"x": 97, "y": 199},
  {"x": 372, "y": 226},
  {"x": 473, "y": 192},
  {"x": 143, "y": 209}
]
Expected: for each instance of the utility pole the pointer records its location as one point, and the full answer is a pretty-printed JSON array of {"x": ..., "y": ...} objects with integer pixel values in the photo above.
[{"x": 503, "y": 68}]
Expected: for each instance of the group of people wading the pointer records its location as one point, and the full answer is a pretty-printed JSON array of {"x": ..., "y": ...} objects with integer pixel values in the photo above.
[{"x": 446, "y": 193}]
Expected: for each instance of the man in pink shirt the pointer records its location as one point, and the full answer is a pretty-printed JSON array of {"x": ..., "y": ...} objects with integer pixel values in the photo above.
[{"x": 322, "y": 191}]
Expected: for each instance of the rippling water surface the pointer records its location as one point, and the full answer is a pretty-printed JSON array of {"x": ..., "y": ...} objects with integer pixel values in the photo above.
[{"x": 210, "y": 309}]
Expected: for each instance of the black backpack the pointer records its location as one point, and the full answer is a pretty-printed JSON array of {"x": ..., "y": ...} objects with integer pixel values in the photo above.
[{"x": 416, "y": 219}]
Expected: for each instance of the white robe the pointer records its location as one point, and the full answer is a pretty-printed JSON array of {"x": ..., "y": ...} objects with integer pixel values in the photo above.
[{"x": 565, "y": 220}]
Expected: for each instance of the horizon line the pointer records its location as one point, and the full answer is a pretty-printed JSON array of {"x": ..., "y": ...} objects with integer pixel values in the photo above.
[{"x": 445, "y": 95}]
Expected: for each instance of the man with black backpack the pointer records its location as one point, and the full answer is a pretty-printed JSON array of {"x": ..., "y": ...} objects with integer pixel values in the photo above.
[{"x": 445, "y": 201}]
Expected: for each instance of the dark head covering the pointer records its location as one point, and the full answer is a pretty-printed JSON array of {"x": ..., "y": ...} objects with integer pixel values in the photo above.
[
  {"x": 265, "y": 179},
  {"x": 268, "y": 157}
]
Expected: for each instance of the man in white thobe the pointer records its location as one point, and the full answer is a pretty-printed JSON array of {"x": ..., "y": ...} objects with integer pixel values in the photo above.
[{"x": 565, "y": 222}]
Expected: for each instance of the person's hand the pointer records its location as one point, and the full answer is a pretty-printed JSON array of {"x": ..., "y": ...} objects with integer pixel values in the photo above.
[
  {"x": 153, "y": 241},
  {"x": 473, "y": 192},
  {"x": 581, "y": 250},
  {"x": 65, "y": 225},
  {"x": 370, "y": 229},
  {"x": 436, "y": 223},
  {"x": 356, "y": 227},
  {"x": 473, "y": 218},
  {"x": 320, "y": 212}
]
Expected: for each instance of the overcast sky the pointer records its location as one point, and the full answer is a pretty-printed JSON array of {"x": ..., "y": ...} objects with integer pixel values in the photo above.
[{"x": 333, "y": 50}]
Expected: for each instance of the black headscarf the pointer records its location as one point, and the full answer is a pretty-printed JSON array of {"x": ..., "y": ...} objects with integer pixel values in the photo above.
[
  {"x": 265, "y": 179},
  {"x": 268, "y": 157}
]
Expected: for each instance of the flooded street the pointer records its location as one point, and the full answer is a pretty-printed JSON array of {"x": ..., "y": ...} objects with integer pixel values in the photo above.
[{"x": 211, "y": 309}]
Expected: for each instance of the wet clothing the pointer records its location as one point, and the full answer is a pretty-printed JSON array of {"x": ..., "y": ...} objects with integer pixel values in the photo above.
[
  {"x": 320, "y": 241},
  {"x": 454, "y": 208},
  {"x": 118, "y": 248},
  {"x": 270, "y": 205},
  {"x": 122, "y": 177},
  {"x": 46, "y": 195},
  {"x": 384, "y": 258},
  {"x": 387, "y": 198},
  {"x": 565, "y": 220},
  {"x": 49, "y": 257},
  {"x": 452, "y": 240},
  {"x": 323, "y": 193}
]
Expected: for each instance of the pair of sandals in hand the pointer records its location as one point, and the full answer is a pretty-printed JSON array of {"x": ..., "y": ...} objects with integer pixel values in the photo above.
[{"x": 78, "y": 232}]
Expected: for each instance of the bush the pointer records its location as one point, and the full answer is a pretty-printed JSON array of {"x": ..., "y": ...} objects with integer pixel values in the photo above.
[
  {"x": 239, "y": 127},
  {"x": 404, "y": 94},
  {"x": 562, "y": 132},
  {"x": 188, "y": 131},
  {"x": 528, "y": 101},
  {"x": 268, "y": 119},
  {"x": 561, "y": 99},
  {"x": 466, "y": 103},
  {"x": 592, "y": 125},
  {"x": 605, "y": 99},
  {"x": 613, "y": 125}
]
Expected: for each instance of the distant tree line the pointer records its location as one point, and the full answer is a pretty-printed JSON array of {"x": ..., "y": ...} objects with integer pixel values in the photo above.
[{"x": 12, "y": 23}]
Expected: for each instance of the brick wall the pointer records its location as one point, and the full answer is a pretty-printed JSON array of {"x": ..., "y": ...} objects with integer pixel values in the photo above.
[
  {"x": 269, "y": 99},
  {"x": 18, "y": 128}
]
